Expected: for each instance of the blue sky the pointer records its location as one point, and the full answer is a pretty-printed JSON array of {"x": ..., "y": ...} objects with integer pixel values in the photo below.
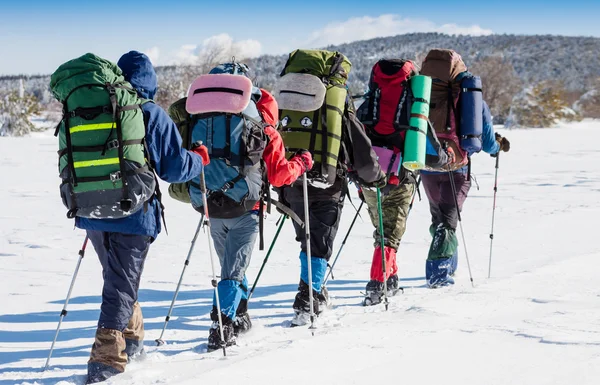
[{"x": 37, "y": 36}]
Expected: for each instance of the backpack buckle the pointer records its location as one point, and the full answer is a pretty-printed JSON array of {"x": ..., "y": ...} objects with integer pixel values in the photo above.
[
  {"x": 126, "y": 204},
  {"x": 113, "y": 144},
  {"x": 115, "y": 176},
  {"x": 227, "y": 186}
]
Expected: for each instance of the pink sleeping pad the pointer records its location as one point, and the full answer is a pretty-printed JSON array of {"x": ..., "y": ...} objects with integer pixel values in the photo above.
[
  {"x": 219, "y": 93},
  {"x": 384, "y": 157}
]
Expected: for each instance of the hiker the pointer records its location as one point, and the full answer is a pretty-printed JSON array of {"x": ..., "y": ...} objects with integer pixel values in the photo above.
[
  {"x": 236, "y": 121},
  {"x": 385, "y": 114},
  {"x": 313, "y": 96},
  {"x": 112, "y": 191},
  {"x": 463, "y": 124}
]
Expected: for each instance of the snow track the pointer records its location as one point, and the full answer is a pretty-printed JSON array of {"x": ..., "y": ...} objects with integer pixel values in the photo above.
[{"x": 537, "y": 321}]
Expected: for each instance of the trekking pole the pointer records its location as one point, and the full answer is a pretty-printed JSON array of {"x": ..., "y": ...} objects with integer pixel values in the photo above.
[
  {"x": 212, "y": 262},
  {"x": 343, "y": 243},
  {"x": 381, "y": 236},
  {"x": 462, "y": 232},
  {"x": 64, "y": 312},
  {"x": 159, "y": 340},
  {"x": 493, "y": 214},
  {"x": 308, "y": 254},
  {"x": 281, "y": 222}
]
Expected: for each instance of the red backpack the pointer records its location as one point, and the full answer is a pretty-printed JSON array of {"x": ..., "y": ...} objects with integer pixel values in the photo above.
[
  {"x": 386, "y": 110},
  {"x": 385, "y": 113}
]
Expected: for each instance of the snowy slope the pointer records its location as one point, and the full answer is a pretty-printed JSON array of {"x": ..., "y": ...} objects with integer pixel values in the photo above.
[{"x": 537, "y": 321}]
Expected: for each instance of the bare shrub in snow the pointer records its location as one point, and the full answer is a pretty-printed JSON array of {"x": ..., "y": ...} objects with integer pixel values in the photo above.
[
  {"x": 500, "y": 83},
  {"x": 15, "y": 110},
  {"x": 541, "y": 106}
]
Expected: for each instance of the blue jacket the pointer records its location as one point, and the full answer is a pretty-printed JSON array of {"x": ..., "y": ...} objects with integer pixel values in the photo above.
[{"x": 171, "y": 162}]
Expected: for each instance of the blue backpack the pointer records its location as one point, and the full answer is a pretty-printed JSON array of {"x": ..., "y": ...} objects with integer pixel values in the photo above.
[{"x": 224, "y": 117}]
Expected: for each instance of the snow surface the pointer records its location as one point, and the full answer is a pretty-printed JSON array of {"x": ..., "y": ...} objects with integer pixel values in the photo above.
[{"x": 537, "y": 321}]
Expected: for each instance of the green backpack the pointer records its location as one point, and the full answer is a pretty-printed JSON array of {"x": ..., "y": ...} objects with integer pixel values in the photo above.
[
  {"x": 102, "y": 162},
  {"x": 312, "y": 96}
]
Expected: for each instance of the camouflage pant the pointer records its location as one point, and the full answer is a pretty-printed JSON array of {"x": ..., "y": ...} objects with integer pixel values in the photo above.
[{"x": 394, "y": 206}]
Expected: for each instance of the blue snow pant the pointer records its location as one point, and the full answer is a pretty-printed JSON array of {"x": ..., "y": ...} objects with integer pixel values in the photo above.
[
  {"x": 234, "y": 240},
  {"x": 324, "y": 220},
  {"x": 120, "y": 327}
]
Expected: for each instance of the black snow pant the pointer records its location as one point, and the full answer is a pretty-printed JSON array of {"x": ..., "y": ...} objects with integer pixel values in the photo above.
[{"x": 324, "y": 220}]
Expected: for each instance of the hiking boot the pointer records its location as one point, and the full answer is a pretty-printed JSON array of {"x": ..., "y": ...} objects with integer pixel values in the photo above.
[
  {"x": 137, "y": 357},
  {"x": 302, "y": 305},
  {"x": 214, "y": 334},
  {"x": 438, "y": 272},
  {"x": 373, "y": 293},
  {"x": 374, "y": 290},
  {"x": 324, "y": 300},
  {"x": 242, "y": 324},
  {"x": 393, "y": 285}
]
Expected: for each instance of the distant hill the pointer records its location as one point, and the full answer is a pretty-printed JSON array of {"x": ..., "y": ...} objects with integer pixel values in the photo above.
[{"x": 574, "y": 60}]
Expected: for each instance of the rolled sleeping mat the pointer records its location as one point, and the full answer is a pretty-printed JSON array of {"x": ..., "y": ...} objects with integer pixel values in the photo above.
[
  {"x": 224, "y": 93},
  {"x": 471, "y": 114},
  {"x": 299, "y": 92},
  {"x": 416, "y": 137}
]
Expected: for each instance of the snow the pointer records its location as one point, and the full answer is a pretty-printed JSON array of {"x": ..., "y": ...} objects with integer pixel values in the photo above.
[{"x": 536, "y": 321}]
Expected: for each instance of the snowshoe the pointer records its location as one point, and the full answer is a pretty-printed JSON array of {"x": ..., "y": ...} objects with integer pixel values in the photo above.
[
  {"x": 374, "y": 290},
  {"x": 214, "y": 335}
]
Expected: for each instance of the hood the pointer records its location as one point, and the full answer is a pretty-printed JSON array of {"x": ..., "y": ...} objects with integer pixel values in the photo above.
[{"x": 138, "y": 71}]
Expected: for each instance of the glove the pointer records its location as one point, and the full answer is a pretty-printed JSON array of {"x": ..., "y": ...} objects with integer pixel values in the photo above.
[
  {"x": 451, "y": 155},
  {"x": 306, "y": 158},
  {"x": 201, "y": 150},
  {"x": 361, "y": 195},
  {"x": 503, "y": 142}
]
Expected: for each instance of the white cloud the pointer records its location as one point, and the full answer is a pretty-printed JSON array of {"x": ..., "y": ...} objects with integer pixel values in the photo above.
[
  {"x": 153, "y": 54},
  {"x": 220, "y": 47},
  {"x": 368, "y": 27}
]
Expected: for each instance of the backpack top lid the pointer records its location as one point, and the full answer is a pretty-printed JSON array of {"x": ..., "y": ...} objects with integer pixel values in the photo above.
[
  {"x": 391, "y": 71},
  {"x": 86, "y": 69},
  {"x": 232, "y": 68},
  {"x": 443, "y": 64},
  {"x": 396, "y": 68},
  {"x": 333, "y": 66}
]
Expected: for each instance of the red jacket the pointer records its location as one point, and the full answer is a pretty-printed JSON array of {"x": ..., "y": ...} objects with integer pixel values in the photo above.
[{"x": 280, "y": 171}]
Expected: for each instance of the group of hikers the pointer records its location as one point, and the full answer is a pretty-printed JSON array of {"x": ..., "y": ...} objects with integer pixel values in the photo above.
[{"x": 227, "y": 142}]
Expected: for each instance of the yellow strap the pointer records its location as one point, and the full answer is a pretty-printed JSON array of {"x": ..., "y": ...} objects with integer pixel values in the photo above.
[
  {"x": 96, "y": 162},
  {"x": 92, "y": 127}
]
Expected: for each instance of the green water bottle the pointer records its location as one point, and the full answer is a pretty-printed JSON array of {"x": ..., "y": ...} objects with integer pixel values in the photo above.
[{"x": 416, "y": 137}]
